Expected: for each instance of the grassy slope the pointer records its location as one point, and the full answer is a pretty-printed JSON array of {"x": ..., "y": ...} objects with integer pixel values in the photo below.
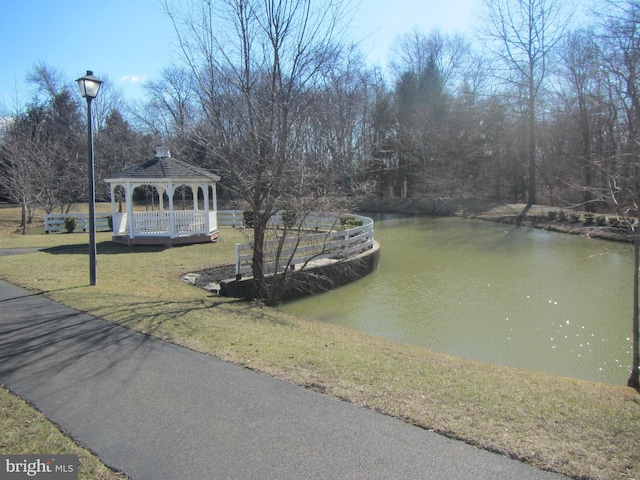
[{"x": 573, "y": 427}]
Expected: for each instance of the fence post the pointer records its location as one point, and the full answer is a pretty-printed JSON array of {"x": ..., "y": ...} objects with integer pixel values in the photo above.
[{"x": 238, "y": 276}]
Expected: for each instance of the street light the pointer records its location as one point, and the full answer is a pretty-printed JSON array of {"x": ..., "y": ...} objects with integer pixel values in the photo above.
[{"x": 89, "y": 86}]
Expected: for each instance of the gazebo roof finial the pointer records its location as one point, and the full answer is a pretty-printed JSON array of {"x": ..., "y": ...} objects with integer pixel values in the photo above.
[{"x": 162, "y": 152}]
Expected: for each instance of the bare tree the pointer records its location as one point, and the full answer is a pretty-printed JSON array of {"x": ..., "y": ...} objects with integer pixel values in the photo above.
[
  {"x": 583, "y": 98},
  {"x": 42, "y": 160},
  {"x": 381, "y": 157},
  {"x": 256, "y": 66},
  {"x": 336, "y": 129},
  {"x": 18, "y": 146},
  {"x": 523, "y": 35},
  {"x": 170, "y": 112},
  {"x": 415, "y": 50},
  {"x": 622, "y": 56},
  {"x": 430, "y": 70}
]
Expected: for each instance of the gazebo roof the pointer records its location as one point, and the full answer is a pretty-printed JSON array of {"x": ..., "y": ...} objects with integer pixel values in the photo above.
[{"x": 162, "y": 168}]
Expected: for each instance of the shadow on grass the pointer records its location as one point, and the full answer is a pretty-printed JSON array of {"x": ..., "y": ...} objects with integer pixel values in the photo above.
[
  {"x": 150, "y": 317},
  {"x": 40, "y": 339},
  {"x": 104, "y": 248}
]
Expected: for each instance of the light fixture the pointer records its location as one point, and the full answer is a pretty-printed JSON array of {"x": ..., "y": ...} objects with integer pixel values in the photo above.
[{"x": 89, "y": 86}]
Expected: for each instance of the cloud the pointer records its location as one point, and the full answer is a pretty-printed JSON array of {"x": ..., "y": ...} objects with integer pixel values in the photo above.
[{"x": 133, "y": 79}]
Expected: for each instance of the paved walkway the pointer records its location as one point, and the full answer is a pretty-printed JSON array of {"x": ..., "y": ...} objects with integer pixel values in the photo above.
[{"x": 158, "y": 411}]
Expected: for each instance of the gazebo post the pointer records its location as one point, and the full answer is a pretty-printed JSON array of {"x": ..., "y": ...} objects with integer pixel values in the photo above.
[
  {"x": 131, "y": 221},
  {"x": 205, "y": 196},
  {"x": 172, "y": 215},
  {"x": 113, "y": 209},
  {"x": 195, "y": 194},
  {"x": 214, "y": 206},
  {"x": 160, "y": 191}
]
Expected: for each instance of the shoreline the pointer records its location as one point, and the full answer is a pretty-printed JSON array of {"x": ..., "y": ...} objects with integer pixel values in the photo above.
[{"x": 539, "y": 217}]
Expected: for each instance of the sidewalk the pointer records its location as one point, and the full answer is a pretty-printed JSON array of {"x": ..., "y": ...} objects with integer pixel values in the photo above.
[{"x": 158, "y": 411}]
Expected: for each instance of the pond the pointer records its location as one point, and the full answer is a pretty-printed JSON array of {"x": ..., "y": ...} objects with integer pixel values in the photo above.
[{"x": 501, "y": 294}]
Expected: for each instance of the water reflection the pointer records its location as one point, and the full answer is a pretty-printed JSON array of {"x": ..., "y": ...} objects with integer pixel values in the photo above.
[{"x": 500, "y": 294}]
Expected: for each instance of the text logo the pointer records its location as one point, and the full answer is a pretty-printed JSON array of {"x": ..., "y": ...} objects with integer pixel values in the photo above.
[{"x": 49, "y": 467}]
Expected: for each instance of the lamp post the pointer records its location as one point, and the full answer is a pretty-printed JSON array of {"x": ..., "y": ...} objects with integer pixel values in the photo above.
[{"x": 89, "y": 86}]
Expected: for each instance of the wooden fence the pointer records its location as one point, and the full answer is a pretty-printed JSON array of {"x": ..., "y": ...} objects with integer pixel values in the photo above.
[
  {"x": 320, "y": 238},
  {"x": 54, "y": 222}
]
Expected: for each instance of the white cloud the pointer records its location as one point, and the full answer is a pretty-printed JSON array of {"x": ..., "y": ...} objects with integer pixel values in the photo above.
[{"x": 133, "y": 78}]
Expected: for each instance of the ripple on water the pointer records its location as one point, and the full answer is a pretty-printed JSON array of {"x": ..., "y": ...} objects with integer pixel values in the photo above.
[{"x": 528, "y": 298}]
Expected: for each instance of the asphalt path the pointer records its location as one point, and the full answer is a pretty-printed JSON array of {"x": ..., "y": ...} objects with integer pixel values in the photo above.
[{"x": 158, "y": 411}]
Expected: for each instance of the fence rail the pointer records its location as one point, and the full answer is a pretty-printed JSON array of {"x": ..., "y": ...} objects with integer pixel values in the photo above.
[
  {"x": 230, "y": 218},
  {"x": 330, "y": 244},
  {"x": 54, "y": 222}
]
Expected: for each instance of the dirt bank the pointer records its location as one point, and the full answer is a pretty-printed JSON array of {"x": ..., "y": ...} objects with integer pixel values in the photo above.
[{"x": 598, "y": 225}]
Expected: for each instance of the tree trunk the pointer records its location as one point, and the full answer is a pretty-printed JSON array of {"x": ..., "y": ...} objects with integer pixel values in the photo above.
[
  {"x": 24, "y": 215},
  {"x": 532, "y": 141},
  {"x": 634, "y": 379},
  {"x": 257, "y": 262}
]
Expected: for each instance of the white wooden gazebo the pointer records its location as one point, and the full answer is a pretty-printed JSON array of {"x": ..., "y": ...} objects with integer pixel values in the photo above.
[{"x": 165, "y": 226}]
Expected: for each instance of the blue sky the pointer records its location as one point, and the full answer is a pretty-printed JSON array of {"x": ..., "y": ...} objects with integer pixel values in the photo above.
[{"x": 129, "y": 41}]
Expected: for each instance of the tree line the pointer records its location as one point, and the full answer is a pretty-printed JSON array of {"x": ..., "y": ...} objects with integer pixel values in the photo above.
[{"x": 525, "y": 110}]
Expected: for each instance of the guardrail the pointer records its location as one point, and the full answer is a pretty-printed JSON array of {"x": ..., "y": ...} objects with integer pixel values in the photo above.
[
  {"x": 54, "y": 222},
  {"x": 330, "y": 244}
]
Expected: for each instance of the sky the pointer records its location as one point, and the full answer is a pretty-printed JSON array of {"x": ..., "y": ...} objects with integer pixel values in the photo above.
[{"x": 131, "y": 41}]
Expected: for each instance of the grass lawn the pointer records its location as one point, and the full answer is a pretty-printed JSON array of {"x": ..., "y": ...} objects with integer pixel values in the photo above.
[{"x": 573, "y": 427}]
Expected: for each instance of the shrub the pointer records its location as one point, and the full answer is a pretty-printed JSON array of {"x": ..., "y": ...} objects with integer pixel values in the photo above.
[
  {"x": 349, "y": 221},
  {"x": 249, "y": 218},
  {"x": 289, "y": 218},
  {"x": 110, "y": 222},
  {"x": 562, "y": 216},
  {"x": 601, "y": 221},
  {"x": 618, "y": 223},
  {"x": 70, "y": 224},
  {"x": 588, "y": 219},
  {"x": 552, "y": 215},
  {"x": 575, "y": 218}
]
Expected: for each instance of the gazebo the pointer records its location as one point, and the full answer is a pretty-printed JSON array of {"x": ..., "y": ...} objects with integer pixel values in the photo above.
[{"x": 165, "y": 226}]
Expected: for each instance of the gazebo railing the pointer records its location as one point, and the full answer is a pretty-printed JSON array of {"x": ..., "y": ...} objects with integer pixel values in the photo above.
[
  {"x": 151, "y": 223},
  {"x": 158, "y": 223},
  {"x": 190, "y": 223}
]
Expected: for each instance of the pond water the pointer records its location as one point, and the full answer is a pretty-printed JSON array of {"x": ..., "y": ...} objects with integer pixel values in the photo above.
[{"x": 496, "y": 293}]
